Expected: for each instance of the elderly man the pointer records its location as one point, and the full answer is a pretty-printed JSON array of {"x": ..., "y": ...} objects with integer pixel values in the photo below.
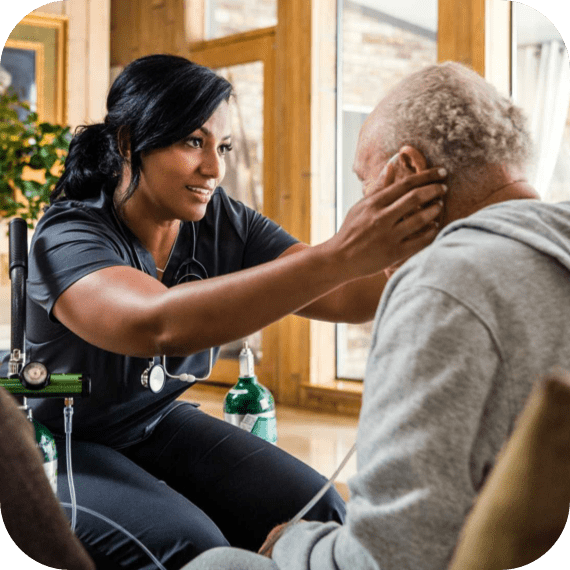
[{"x": 463, "y": 330}]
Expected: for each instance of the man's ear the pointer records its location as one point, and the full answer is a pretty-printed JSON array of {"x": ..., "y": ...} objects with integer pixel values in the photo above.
[{"x": 411, "y": 160}]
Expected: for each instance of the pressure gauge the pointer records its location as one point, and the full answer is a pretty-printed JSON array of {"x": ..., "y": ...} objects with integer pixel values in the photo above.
[
  {"x": 154, "y": 378},
  {"x": 34, "y": 376}
]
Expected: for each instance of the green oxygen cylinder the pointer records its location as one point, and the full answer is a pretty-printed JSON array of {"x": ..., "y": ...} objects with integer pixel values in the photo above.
[
  {"x": 248, "y": 404},
  {"x": 46, "y": 444}
]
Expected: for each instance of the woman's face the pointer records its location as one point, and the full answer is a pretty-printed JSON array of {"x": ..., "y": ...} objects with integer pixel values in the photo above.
[{"x": 177, "y": 182}]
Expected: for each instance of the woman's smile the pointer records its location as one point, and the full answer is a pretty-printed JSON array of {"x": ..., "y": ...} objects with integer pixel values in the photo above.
[{"x": 203, "y": 194}]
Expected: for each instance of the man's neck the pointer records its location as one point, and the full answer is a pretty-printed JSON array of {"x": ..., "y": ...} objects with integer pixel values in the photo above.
[{"x": 490, "y": 185}]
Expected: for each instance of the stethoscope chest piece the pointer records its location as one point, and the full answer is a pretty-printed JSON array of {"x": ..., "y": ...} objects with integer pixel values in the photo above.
[{"x": 154, "y": 378}]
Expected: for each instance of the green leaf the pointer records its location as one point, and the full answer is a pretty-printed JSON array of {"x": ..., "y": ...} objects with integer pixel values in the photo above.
[
  {"x": 37, "y": 162},
  {"x": 48, "y": 128},
  {"x": 42, "y": 146}
]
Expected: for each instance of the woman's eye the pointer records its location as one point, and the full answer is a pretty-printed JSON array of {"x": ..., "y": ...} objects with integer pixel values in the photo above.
[
  {"x": 225, "y": 148},
  {"x": 194, "y": 142}
]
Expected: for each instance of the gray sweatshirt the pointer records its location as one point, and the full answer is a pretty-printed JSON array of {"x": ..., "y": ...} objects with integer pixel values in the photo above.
[{"x": 463, "y": 330}]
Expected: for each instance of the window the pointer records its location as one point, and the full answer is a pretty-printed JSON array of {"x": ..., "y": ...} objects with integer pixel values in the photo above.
[
  {"x": 380, "y": 42},
  {"x": 244, "y": 171},
  {"x": 541, "y": 86},
  {"x": 228, "y": 17}
]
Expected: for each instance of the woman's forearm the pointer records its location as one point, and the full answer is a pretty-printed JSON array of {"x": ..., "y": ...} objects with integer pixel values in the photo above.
[{"x": 354, "y": 302}]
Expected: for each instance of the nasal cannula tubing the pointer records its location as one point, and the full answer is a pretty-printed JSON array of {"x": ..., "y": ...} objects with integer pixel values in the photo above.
[{"x": 68, "y": 413}]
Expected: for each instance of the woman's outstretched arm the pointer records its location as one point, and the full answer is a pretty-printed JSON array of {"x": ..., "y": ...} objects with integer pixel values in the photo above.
[{"x": 123, "y": 310}]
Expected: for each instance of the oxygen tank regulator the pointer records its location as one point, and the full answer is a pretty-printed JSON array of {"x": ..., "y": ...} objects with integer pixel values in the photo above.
[{"x": 254, "y": 412}]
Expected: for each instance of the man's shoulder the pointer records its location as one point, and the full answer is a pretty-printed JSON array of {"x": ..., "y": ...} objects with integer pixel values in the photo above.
[
  {"x": 497, "y": 248},
  {"x": 457, "y": 256}
]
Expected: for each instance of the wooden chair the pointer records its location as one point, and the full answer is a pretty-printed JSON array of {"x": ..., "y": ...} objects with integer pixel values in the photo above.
[{"x": 523, "y": 507}]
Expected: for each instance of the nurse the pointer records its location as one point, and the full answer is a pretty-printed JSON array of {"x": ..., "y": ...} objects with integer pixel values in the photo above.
[{"x": 142, "y": 253}]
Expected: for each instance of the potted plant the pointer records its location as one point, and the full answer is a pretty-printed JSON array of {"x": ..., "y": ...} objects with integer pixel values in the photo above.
[{"x": 32, "y": 154}]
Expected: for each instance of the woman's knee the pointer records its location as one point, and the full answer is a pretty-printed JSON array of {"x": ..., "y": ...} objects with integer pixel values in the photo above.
[
  {"x": 173, "y": 541},
  {"x": 330, "y": 507}
]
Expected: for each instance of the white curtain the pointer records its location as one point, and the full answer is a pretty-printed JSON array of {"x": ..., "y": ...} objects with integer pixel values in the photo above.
[{"x": 543, "y": 91}]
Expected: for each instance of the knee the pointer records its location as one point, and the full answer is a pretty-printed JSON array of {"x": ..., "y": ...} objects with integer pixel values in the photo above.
[
  {"x": 331, "y": 507},
  {"x": 173, "y": 541},
  {"x": 182, "y": 540}
]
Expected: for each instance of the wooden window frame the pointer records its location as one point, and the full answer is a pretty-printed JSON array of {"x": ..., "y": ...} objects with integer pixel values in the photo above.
[
  {"x": 248, "y": 47},
  {"x": 299, "y": 172}
]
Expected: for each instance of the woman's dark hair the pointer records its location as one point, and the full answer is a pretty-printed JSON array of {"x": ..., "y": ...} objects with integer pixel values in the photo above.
[{"x": 155, "y": 102}]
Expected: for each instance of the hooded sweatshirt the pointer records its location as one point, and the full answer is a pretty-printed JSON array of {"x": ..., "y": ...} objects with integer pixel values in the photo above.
[{"x": 462, "y": 332}]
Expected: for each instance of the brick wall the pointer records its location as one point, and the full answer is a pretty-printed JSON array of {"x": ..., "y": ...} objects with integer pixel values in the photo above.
[
  {"x": 232, "y": 16},
  {"x": 377, "y": 55}
]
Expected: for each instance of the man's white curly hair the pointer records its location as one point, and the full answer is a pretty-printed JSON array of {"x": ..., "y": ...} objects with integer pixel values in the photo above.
[{"x": 457, "y": 119}]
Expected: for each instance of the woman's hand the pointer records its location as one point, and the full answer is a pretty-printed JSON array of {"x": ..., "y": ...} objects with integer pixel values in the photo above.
[
  {"x": 394, "y": 220},
  {"x": 267, "y": 547}
]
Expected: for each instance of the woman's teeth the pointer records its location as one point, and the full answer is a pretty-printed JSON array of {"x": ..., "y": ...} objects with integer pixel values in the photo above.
[{"x": 199, "y": 190}]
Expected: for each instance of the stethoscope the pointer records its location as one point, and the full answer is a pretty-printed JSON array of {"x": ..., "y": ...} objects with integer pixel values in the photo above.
[{"x": 154, "y": 377}]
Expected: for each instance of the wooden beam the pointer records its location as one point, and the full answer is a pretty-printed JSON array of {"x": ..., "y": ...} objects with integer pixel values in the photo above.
[
  {"x": 461, "y": 33},
  {"x": 293, "y": 145},
  {"x": 143, "y": 27}
]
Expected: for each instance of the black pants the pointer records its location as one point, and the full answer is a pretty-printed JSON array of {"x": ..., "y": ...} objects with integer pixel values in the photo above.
[{"x": 194, "y": 484}]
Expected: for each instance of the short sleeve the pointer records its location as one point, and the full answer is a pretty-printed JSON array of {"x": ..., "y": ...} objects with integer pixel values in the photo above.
[
  {"x": 260, "y": 239},
  {"x": 68, "y": 244},
  {"x": 266, "y": 240}
]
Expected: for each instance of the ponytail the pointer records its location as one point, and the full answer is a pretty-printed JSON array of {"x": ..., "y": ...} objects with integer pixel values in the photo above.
[{"x": 92, "y": 164}]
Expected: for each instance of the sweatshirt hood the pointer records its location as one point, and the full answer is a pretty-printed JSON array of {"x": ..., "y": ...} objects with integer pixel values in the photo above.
[{"x": 542, "y": 226}]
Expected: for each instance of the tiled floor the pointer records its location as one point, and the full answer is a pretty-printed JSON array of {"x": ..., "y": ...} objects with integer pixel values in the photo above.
[{"x": 321, "y": 440}]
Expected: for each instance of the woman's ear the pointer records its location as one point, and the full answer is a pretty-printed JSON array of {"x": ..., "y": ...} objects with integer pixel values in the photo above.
[
  {"x": 411, "y": 160},
  {"x": 124, "y": 143}
]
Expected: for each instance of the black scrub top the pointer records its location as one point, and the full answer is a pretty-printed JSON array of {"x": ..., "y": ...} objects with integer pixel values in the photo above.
[{"x": 75, "y": 238}]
